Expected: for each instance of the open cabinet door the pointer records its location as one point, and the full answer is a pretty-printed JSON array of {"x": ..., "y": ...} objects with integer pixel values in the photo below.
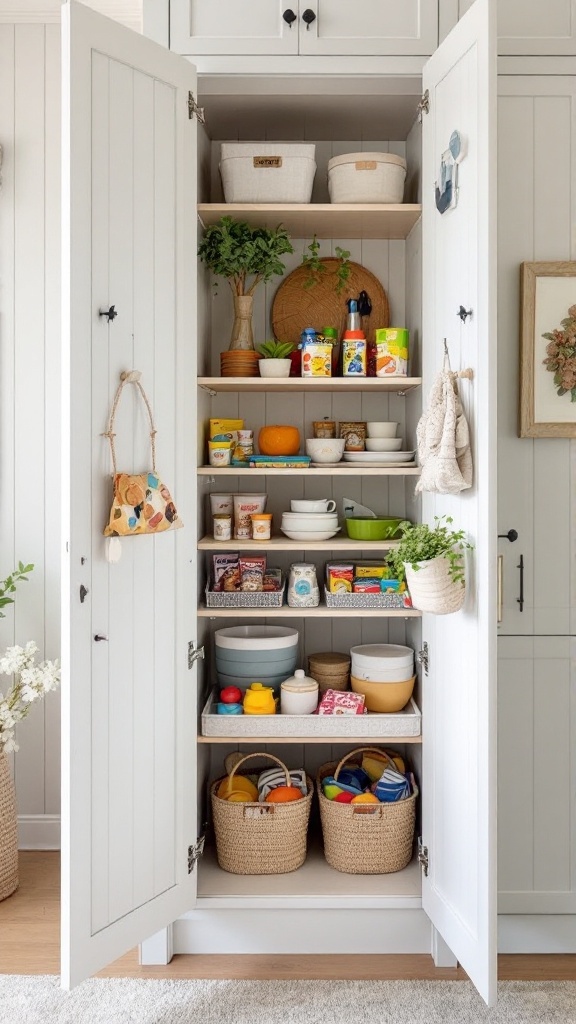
[
  {"x": 129, "y": 715},
  {"x": 459, "y": 255}
]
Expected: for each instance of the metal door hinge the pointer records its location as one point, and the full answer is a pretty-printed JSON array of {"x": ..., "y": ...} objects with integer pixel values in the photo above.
[
  {"x": 194, "y": 653},
  {"x": 424, "y": 105},
  {"x": 195, "y": 852},
  {"x": 423, "y": 856},
  {"x": 194, "y": 109},
  {"x": 424, "y": 657}
]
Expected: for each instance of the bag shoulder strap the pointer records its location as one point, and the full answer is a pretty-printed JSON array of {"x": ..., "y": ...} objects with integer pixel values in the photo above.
[{"x": 130, "y": 377}]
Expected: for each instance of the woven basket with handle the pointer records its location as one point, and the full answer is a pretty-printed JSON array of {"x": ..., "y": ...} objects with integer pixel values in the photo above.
[
  {"x": 366, "y": 839},
  {"x": 8, "y": 832},
  {"x": 261, "y": 838}
]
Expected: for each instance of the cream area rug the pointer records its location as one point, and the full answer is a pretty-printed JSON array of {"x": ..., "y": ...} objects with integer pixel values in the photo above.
[{"x": 39, "y": 1000}]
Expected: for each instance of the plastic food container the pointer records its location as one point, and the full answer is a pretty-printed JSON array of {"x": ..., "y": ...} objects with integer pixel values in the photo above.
[
  {"x": 366, "y": 178},
  {"x": 267, "y": 172}
]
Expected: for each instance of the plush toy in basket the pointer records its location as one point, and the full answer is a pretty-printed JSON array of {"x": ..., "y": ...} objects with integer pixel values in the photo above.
[
  {"x": 368, "y": 812},
  {"x": 261, "y": 823}
]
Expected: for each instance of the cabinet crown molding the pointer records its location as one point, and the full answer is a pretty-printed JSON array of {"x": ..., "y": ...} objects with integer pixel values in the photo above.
[{"x": 127, "y": 12}]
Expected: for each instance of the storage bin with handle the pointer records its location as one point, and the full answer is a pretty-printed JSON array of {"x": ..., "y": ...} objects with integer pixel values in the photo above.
[
  {"x": 267, "y": 172},
  {"x": 366, "y": 178},
  {"x": 366, "y": 839},
  {"x": 261, "y": 838}
]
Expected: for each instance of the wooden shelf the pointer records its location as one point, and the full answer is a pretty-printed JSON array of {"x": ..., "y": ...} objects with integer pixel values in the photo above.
[
  {"x": 347, "y": 469},
  {"x": 285, "y": 544},
  {"x": 359, "y": 741},
  {"x": 322, "y": 612},
  {"x": 285, "y": 385},
  {"x": 325, "y": 220}
]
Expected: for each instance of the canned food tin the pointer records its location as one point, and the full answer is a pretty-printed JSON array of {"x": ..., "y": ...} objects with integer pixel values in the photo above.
[{"x": 222, "y": 526}]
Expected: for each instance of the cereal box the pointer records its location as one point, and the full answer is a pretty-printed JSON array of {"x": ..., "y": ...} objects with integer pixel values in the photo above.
[
  {"x": 391, "y": 352},
  {"x": 225, "y": 573},
  {"x": 339, "y": 578}
]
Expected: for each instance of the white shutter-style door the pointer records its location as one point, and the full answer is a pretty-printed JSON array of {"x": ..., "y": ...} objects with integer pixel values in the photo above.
[
  {"x": 129, "y": 201},
  {"x": 459, "y": 769}
]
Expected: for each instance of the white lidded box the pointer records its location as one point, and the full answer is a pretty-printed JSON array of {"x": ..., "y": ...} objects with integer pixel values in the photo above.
[
  {"x": 267, "y": 172},
  {"x": 366, "y": 178}
]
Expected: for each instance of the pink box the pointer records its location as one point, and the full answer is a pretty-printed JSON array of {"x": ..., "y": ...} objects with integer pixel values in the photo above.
[{"x": 335, "y": 702}]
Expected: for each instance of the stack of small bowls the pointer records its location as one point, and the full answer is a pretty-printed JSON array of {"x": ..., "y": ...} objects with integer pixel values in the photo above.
[
  {"x": 330, "y": 670},
  {"x": 384, "y": 673},
  {"x": 310, "y": 520},
  {"x": 239, "y": 363},
  {"x": 247, "y": 654},
  {"x": 382, "y": 437}
]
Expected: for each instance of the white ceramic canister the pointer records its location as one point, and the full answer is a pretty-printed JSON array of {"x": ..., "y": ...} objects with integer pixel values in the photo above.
[
  {"x": 222, "y": 526},
  {"x": 299, "y": 694},
  {"x": 303, "y": 590}
]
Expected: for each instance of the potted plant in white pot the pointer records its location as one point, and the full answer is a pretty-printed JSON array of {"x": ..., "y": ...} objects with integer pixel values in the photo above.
[
  {"x": 275, "y": 360},
  {"x": 431, "y": 559}
]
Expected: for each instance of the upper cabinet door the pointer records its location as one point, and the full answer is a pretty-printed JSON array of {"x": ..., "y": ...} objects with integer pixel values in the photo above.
[
  {"x": 234, "y": 27},
  {"x": 459, "y": 256},
  {"x": 368, "y": 27},
  {"x": 532, "y": 28},
  {"x": 129, "y": 721}
]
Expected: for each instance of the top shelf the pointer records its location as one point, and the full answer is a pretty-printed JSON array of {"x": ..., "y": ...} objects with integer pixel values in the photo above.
[
  {"x": 325, "y": 220},
  {"x": 398, "y": 385}
]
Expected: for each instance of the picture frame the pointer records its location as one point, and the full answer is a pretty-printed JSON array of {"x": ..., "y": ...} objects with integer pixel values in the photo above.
[{"x": 547, "y": 406}]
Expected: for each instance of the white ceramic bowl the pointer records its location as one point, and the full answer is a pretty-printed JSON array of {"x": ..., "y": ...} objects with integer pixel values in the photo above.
[
  {"x": 376, "y": 659},
  {"x": 381, "y": 429},
  {"x": 325, "y": 449},
  {"x": 315, "y": 506},
  {"x": 380, "y": 675},
  {"x": 262, "y": 638},
  {"x": 311, "y": 523},
  {"x": 383, "y": 444},
  {"x": 304, "y": 535}
]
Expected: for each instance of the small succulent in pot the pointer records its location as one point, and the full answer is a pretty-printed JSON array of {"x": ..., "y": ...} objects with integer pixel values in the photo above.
[
  {"x": 275, "y": 360},
  {"x": 431, "y": 559},
  {"x": 276, "y": 349}
]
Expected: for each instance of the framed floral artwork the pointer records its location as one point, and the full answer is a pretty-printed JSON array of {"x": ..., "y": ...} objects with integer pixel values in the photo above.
[{"x": 548, "y": 350}]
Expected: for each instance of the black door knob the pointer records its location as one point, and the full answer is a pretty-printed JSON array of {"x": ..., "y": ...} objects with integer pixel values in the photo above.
[
  {"x": 111, "y": 313},
  {"x": 512, "y": 535},
  {"x": 289, "y": 17},
  {"x": 308, "y": 17}
]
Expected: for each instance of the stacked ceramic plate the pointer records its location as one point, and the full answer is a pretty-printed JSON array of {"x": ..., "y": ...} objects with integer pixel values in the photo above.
[
  {"x": 380, "y": 459},
  {"x": 306, "y": 526}
]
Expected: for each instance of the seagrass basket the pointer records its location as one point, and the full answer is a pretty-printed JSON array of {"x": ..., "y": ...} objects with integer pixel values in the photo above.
[
  {"x": 8, "y": 832},
  {"x": 261, "y": 838},
  {"x": 366, "y": 839}
]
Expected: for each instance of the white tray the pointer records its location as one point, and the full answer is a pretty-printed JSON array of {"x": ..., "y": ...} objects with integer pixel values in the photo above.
[{"x": 407, "y": 722}]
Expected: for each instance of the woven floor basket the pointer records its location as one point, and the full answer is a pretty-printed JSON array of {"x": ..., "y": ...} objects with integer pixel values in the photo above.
[
  {"x": 366, "y": 839},
  {"x": 8, "y": 832},
  {"x": 261, "y": 838}
]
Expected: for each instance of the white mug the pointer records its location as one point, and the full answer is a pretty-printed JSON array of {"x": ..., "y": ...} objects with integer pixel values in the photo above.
[{"x": 318, "y": 505}]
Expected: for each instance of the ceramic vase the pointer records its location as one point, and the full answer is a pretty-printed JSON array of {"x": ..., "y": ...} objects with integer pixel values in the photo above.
[{"x": 242, "y": 336}]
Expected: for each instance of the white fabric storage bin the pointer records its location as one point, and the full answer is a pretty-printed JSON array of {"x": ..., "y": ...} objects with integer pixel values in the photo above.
[
  {"x": 267, "y": 172},
  {"x": 366, "y": 178}
]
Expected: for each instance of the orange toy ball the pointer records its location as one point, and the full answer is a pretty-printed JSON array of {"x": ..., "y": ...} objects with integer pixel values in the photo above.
[
  {"x": 283, "y": 795},
  {"x": 365, "y": 798},
  {"x": 279, "y": 440}
]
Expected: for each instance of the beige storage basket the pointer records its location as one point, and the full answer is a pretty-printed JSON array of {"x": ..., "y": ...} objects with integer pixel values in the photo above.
[
  {"x": 267, "y": 172},
  {"x": 330, "y": 670},
  {"x": 366, "y": 839},
  {"x": 366, "y": 178},
  {"x": 8, "y": 832},
  {"x": 260, "y": 838}
]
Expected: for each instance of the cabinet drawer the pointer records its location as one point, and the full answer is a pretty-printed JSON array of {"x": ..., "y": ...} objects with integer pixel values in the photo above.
[
  {"x": 233, "y": 27},
  {"x": 370, "y": 27}
]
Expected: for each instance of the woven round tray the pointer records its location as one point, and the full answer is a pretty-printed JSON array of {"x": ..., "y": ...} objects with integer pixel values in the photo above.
[{"x": 296, "y": 307}]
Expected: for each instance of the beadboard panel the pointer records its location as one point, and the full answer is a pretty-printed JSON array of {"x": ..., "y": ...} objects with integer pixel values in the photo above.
[{"x": 29, "y": 386}]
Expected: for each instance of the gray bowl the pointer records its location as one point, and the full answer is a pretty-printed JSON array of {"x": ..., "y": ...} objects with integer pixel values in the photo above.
[
  {"x": 256, "y": 656},
  {"x": 257, "y": 667}
]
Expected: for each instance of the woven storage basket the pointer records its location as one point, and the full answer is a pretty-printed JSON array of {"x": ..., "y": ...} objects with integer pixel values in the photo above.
[
  {"x": 267, "y": 172},
  {"x": 261, "y": 838},
  {"x": 330, "y": 670},
  {"x": 8, "y": 832},
  {"x": 432, "y": 588},
  {"x": 366, "y": 839},
  {"x": 366, "y": 178}
]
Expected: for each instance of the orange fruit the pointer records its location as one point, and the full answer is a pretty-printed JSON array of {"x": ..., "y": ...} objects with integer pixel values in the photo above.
[
  {"x": 279, "y": 440},
  {"x": 236, "y": 784},
  {"x": 283, "y": 795}
]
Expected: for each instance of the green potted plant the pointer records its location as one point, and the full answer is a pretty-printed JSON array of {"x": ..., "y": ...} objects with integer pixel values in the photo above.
[
  {"x": 431, "y": 559},
  {"x": 246, "y": 256},
  {"x": 275, "y": 361}
]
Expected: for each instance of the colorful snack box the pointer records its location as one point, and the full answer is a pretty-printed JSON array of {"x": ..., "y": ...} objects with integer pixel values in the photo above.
[
  {"x": 316, "y": 359},
  {"x": 252, "y": 572},
  {"x": 225, "y": 430},
  {"x": 337, "y": 702},
  {"x": 225, "y": 573},
  {"x": 366, "y": 585},
  {"x": 391, "y": 352},
  {"x": 273, "y": 580},
  {"x": 392, "y": 587},
  {"x": 375, "y": 571},
  {"x": 339, "y": 578}
]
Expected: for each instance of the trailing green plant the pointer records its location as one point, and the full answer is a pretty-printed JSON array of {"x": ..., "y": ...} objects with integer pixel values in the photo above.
[
  {"x": 421, "y": 543},
  {"x": 8, "y": 586},
  {"x": 244, "y": 255},
  {"x": 276, "y": 349},
  {"x": 316, "y": 267}
]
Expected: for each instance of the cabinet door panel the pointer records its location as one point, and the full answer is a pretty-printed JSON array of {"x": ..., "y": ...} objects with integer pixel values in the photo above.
[
  {"x": 128, "y": 715},
  {"x": 527, "y": 28},
  {"x": 233, "y": 27},
  {"x": 369, "y": 27},
  {"x": 459, "y": 694}
]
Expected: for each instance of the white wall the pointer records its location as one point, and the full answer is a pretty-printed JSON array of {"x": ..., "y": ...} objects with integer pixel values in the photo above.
[{"x": 29, "y": 388}]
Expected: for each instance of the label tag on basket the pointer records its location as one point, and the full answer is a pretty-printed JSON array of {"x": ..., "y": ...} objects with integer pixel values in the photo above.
[
  {"x": 366, "y": 165},
  {"x": 267, "y": 161}
]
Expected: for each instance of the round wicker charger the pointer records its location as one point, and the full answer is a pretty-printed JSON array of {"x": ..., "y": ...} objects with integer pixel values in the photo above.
[
  {"x": 295, "y": 306},
  {"x": 8, "y": 832}
]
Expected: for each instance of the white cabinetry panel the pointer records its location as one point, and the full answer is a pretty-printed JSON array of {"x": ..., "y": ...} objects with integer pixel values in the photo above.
[
  {"x": 525, "y": 27},
  {"x": 537, "y": 775},
  {"x": 233, "y": 27},
  {"x": 369, "y": 27}
]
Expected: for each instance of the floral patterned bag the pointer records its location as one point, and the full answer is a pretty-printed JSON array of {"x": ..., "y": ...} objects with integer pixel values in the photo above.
[{"x": 141, "y": 502}]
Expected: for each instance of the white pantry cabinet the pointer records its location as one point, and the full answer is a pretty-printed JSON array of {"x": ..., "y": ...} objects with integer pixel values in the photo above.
[
  {"x": 135, "y": 769},
  {"x": 307, "y": 27},
  {"x": 531, "y": 27}
]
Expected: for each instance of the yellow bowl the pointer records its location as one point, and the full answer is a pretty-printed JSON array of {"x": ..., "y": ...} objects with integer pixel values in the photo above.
[{"x": 384, "y": 697}]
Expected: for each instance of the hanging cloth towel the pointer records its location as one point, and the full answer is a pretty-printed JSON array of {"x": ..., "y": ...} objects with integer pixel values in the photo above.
[{"x": 443, "y": 437}]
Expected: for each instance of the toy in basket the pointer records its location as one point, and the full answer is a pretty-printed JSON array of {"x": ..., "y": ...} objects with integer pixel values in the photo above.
[
  {"x": 254, "y": 838},
  {"x": 366, "y": 838}
]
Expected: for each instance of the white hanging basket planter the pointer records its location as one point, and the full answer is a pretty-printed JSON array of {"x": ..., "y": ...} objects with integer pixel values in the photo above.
[{"x": 432, "y": 588}]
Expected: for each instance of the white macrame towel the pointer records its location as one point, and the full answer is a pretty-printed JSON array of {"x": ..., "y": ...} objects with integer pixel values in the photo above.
[{"x": 444, "y": 439}]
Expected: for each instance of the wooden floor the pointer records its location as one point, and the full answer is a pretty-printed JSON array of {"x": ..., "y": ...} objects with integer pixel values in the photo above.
[{"x": 29, "y": 944}]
